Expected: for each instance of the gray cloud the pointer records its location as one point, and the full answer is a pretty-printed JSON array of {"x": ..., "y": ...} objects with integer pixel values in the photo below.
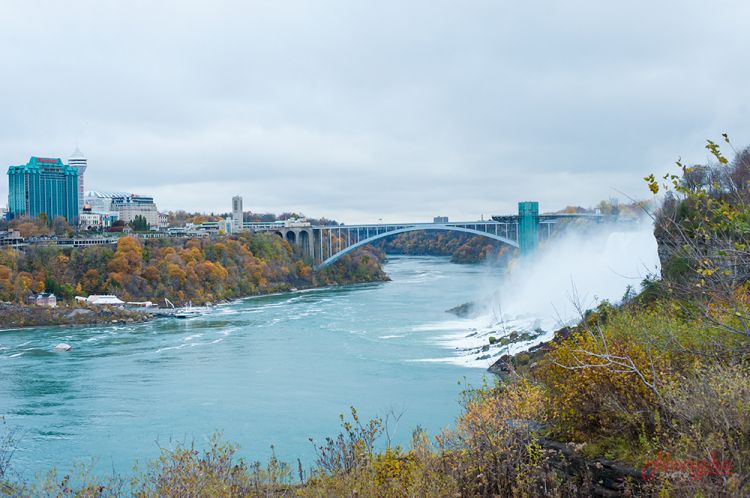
[{"x": 393, "y": 110}]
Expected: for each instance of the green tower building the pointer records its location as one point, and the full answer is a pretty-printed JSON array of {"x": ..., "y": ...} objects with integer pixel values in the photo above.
[
  {"x": 528, "y": 228},
  {"x": 43, "y": 186}
]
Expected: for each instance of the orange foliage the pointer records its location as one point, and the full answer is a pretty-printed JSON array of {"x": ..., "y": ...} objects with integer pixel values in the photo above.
[{"x": 198, "y": 270}]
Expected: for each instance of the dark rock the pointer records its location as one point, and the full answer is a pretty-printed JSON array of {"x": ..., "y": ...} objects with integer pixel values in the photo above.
[
  {"x": 502, "y": 367},
  {"x": 601, "y": 478},
  {"x": 466, "y": 310}
]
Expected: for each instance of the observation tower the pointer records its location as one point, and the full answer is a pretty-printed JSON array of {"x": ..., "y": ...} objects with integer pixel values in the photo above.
[{"x": 78, "y": 161}]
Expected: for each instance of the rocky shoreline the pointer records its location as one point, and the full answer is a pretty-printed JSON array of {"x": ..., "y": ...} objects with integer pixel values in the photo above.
[{"x": 13, "y": 316}]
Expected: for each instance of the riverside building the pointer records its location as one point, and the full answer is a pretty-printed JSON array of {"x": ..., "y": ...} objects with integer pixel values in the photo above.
[{"x": 44, "y": 185}]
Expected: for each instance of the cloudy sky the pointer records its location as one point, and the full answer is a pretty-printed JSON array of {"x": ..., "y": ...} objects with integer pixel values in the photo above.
[{"x": 359, "y": 111}]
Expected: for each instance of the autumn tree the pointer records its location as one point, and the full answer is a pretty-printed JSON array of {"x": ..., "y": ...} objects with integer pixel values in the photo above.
[
  {"x": 60, "y": 226},
  {"x": 22, "y": 286},
  {"x": 178, "y": 269}
]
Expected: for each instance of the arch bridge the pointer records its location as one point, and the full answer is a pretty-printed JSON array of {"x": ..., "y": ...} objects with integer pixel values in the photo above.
[
  {"x": 328, "y": 243},
  {"x": 334, "y": 241}
]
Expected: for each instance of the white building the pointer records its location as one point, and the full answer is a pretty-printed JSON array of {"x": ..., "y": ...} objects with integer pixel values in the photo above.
[
  {"x": 163, "y": 221},
  {"x": 295, "y": 223},
  {"x": 101, "y": 201},
  {"x": 101, "y": 300},
  {"x": 130, "y": 207},
  {"x": 79, "y": 162},
  {"x": 228, "y": 226},
  {"x": 96, "y": 219}
]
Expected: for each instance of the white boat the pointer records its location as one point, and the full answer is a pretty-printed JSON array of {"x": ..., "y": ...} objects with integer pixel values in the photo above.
[{"x": 188, "y": 311}]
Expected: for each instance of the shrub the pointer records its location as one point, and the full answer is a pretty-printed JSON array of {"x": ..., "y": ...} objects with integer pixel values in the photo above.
[{"x": 493, "y": 449}]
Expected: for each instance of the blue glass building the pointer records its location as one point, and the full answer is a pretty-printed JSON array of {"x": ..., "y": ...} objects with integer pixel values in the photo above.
[{"x": 43, "y": 186}]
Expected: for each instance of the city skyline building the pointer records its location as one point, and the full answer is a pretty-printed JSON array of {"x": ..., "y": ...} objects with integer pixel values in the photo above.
[
  {"x": 43, "y": 185},
  {"x": 135, "y": 205},
  {"x": 237, "y": 213},
  {"x": 80, "y": 163},
  {"x": 102, "y": 200}
]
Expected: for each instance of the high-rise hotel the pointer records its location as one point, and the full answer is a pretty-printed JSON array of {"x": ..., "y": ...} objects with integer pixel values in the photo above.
[{"x": 44, "y": 185}]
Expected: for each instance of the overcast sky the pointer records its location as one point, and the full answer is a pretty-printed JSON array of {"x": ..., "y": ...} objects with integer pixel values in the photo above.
[{"x": 359, "y": 111}]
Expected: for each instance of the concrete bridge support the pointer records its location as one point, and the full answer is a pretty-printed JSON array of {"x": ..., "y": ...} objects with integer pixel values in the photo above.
[{"x": 303, "y": 237}]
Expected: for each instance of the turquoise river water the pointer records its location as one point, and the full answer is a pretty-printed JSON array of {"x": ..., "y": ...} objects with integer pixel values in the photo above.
[{"x": 266, "y": 370}]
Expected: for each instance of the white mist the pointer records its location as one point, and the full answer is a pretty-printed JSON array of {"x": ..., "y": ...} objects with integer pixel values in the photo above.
[{"x": 593, "y": 265}]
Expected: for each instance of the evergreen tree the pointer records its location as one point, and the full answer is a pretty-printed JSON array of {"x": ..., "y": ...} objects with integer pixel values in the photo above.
[{"x": 139, "y": 224}]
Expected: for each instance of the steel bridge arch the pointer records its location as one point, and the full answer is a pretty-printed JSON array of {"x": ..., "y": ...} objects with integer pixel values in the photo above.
[{"x": 415, "y": 228}]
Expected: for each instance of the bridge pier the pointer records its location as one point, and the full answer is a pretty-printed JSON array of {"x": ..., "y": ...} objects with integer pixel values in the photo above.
[{"x": 303, "y": 237}]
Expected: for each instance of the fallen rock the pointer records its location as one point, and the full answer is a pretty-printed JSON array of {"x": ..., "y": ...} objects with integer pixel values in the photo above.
[
  {"x": 62, "y": 347},
  {"x": 79, "y": 311}
]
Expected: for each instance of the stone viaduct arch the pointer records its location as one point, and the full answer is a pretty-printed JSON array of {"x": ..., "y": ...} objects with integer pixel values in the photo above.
[{"x": 301, "y": 236}]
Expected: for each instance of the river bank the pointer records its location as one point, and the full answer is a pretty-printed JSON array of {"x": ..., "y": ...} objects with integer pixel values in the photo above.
[
  {"x": 14, "y": 316},
  {"x": 18, "y": 316}
]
